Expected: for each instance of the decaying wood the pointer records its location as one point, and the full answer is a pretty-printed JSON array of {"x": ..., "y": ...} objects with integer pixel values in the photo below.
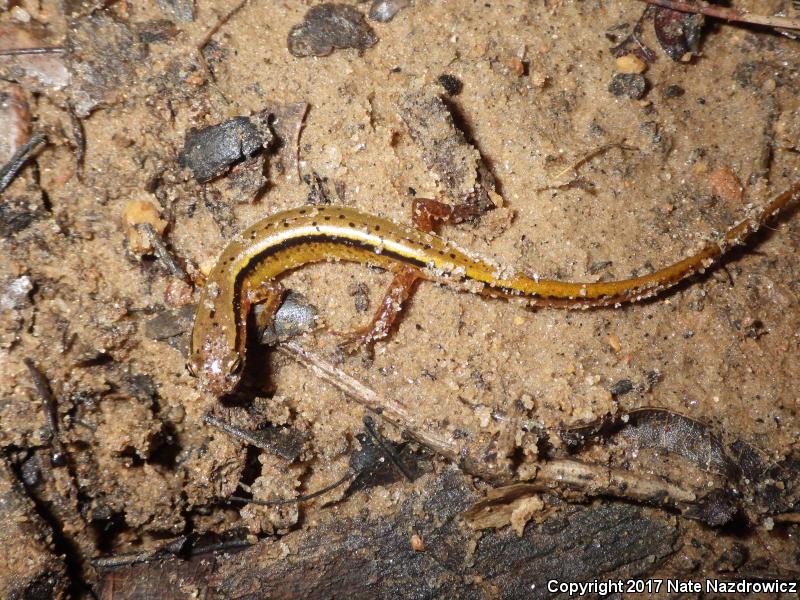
[{"x": 371, "y": 557}]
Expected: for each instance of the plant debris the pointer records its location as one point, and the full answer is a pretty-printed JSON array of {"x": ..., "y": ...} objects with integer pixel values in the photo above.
[
  {"x": 14, "y": 165},
  {"x": 751, "y": 484},
  {"x": 456, "y": 164},
  {"x": 366, "y": 556},
  {"x": 327, "y": 27},
  {"x": 678, "y": 33},
  {"x": 103, "y": 82}
]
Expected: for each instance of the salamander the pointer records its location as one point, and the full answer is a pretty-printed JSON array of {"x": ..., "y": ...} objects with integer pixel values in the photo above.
[{"x": 247, "y": 271}]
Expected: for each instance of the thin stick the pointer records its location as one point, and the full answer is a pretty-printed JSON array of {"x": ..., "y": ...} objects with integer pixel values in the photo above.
[
  {"x": 50, "y": 409},
  {"x": 237, "y": 432},
  {"x": 729, "y": 14},
  {"x": 380, "y": 405},
  {"x": 10, "y": 170},
  {"x": 162, "y": 252},
  {"x": 282, "y": 501},
  {"x": 213, "y": 30},
  {"x": 26, "y": 51}
]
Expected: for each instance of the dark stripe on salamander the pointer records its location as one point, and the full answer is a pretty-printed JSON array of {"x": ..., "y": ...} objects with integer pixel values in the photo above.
[{"x": 275, "y": 249}]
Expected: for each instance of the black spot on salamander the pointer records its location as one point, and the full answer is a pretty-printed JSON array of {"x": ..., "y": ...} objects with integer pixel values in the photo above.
[
  {"x": 453, "y": 256},
  {"x": 377, "y": 227},
  {"x": 313, "y": 223},
  {"x": 286, "y": 223},
  {"x": 351, "y": 224},
  {"x": 428, "y": 247},
  {"x": 302, "y": 211},
  {"x": 253, "y": 235},
  {"x": 342, "y": 217},
  {"x": 327, "y": 217}
]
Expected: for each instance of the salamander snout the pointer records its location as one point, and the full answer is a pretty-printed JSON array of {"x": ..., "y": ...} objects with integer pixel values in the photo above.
[{"x": 218, "y": 375}]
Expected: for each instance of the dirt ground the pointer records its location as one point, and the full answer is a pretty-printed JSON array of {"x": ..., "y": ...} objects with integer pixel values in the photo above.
[{"x": 506, "y": 390}]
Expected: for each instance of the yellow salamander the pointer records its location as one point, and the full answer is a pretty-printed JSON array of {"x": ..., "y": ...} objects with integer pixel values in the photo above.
[{"x": 248, "y": 267}]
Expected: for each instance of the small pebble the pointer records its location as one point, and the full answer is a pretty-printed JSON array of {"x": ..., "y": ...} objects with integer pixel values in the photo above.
[
  {"x": 139, "y": 212},
  {"x": 630, "y": 63},
  {"x": 451, "y": 84},
  {"x": 632, "y": 85},
  {"x": 417, "y": 545},
  {"x": 20, "y": 14},
  {"x": 15, "y": 293},
  {"x": 621, "y": 387},
  {"x": 725, "y": 184},
  {"x": 516, "y": 66},
  {"x": 674, "y": 91},
  {"x": 614, "y": 342},
  {"x": 327, "y": 27},
  {"x": 384, "y": 11}
]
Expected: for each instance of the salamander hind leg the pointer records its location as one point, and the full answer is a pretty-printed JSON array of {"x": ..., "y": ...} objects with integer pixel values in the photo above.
[
  {"x": 426, "y": 214},
  {"x": 385, "y": 316}
]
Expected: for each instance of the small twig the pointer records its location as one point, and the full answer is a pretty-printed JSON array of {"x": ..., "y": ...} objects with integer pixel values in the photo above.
[
  {"x": 598, "y": 479},
  {"x": 728, "y": 14},
  {"x": 380, "y": 405},
  {"x": 298, "y": 132},
  {"x": 10, "y": 170},
  {"x": 583, "y": 160},
  {"x": 38, "y": 50},
  {"x": 80, "y": 142},
  {"x": 121, "y": 560},
  {"x": 50, "y": 409},
  {"x": 240, "y": 434},
  {"x": 162, "y": 252},
  {"x": 282, "y": 501},
  {"x": 369, "y": 425},
  {"x": 224, "y": 19}
]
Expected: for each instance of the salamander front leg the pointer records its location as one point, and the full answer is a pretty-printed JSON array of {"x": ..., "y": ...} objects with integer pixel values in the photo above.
[{"x": 267, "y": 293}]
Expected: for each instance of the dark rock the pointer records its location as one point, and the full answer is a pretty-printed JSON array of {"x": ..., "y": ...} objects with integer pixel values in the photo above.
[
  {"x": 451, "y": 84},
  {"x": 621, "y": 387},
  {"x": 294, "y": 317},
  {"x": 632, "y": 85},
  {"x": 673, "y": 91},
  {"x": 17, "y": 215},
  {"x": 330, "y": 26},
  {"x": 211, "y": 151},
  {"x": 678, "y": 33}
]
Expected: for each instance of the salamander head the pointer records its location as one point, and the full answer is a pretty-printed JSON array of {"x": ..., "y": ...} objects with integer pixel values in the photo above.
[{"x": 218, "y": 369}]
